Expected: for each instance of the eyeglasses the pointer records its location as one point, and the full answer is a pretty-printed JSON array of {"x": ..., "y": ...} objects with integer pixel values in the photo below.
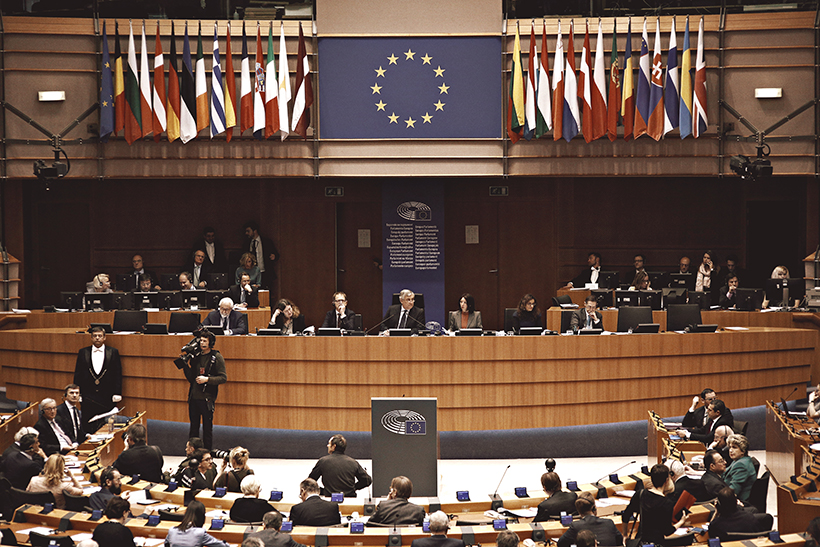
[{"x": 340, "y": 301}]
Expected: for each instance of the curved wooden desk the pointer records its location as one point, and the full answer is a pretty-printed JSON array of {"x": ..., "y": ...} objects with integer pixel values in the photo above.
[{"x": 486, "y": 383}]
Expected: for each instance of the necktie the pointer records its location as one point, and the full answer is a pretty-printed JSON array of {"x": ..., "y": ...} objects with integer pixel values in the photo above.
[
  {"x": 589, "y": 321},
  {"x": 224, "y": 323},
  {"x": 76, "y": 416},
  {"x": 338, "y": 320},
  {"x": 242, "y": 294},
  {"x": 60, "y": 434},
  {"x": 403, "y": 320}
]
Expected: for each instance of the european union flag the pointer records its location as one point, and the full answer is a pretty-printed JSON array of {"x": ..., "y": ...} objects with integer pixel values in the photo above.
[
  {"x": 410, "y": 88},
  {"x": 415, "y": 427}
]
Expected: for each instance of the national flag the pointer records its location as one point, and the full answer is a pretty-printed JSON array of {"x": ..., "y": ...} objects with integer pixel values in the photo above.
[
  {"x": 201, "y": 85},
  {"x": 656, "y": 111},
  {"x": 145, "y": 88},
  {"x": 614, "y": 102},
  {"x": 699, "y": 119},
  {"x": 585, "y": 88},
  {"x": 187, "y": 106},
  {"x": 627, "y": 97},
  {"x": 515, "y": 104},
  {"x": 259, "y": 90},
  {"x": 572, "y": 116},
  {"x": 543, "y": 121},
  {"x": 599, "y": 112},
  {"x": 133, "y": 113},
  {"x": 119, "y": 83},
  {"x": 271, "y": 99},
  {"x": 245, "y": 93},
  {"x": 172, "y": 109},
  {"x": 217, "y": 91},
  {"x": 304, "y": 90},
  {"x": 671, "y": 93},
  {"x": 230, "y": 89},
  {"x": 159, "y": 115},
  {"x": 106, "y": 92},
  {"x": 685, "y": 110},
  {"x": 558, "y": 88},
  {"x": 284, "y": 84},
  {"x": 529, "y": 94},
  {"x": 642, "y": 98}
]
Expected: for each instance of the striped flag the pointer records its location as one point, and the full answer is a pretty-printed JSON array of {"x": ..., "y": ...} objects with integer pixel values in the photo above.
[
  {"x": 529, "y": 94},
  {"x": 230, "y": 89},
  {"x": 119, "y": 83},
  {"x": 642, "y": 97},
  {"x": 259, "y": 90},
  {"x": 172, "y": 102},
  {"x": 558, "y": 88},
  {"x": 685, "y": 110},
  {"x": 543, "y": 122},
  {"x": 106, "y": 92},
  {"x": 201, "y": 85},
  {"x": 614, "y": 102},
  {"x": 187, "y": 113},
  {"x": 133, "y": 114},
  {"x": 627, "y": 98},
  {"x": 304, "y": 90},
  {"x": 656, "y": 111},
  {"x": 572, "y": 116},
  {"x": 599, "y": 113},
  {"x": 284, "y": 84},
  {"x": 245, "y": 93},
  {"x": 515, "y": 104},
  {"x": 585, "y": 88},
  {"x": 671, "y": 93},
  {"x": 271, "y": 99},
  {"x": 699, "y": 119},
  {"x": 217, "y": 91},
  {"x": 159, "y": 121},
  {"x": 145, "y": 88}
]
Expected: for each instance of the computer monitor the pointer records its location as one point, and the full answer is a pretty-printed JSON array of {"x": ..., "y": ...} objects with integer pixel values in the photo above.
[
  {"x": 748, "y": 299},
  {"x": 126, "y": 282},
  {"x": 183, "y": 322},
  {"x": 130, "y": 320},
  {"x": 675, "y": 295},
  {"x": 685, "y": 280},
  {"x": 631, "y": 316},
  {"x": 98, "y": 301},
  {"x": 608, "y": 280},
  {"x": 169, "y": 281},
  {"x": 144, "y": 300},
  {"x": 217, "y": 281},
  {"x": 169, "y": 299},
  {"x": 651, "y": 298},
  {"x": 195, "y": 299},
  {"x": 658, "y": 280},
  {"x": 71, "y": 301},
  {"x": 214, "y": 297},
  {"x": 604, "y": 297},
  {"x": 122, "y": 301},
  {"x": 680, "y": 316},
  {"x": 702, "y": 299},
  {"x": 626, "y": 298},
  {"x": 777, "y": 289},
  {"x": 418, "y": 302}
]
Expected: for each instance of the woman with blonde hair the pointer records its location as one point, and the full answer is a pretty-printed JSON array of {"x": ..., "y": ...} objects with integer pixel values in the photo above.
[
  {"x": 247, "y": 265},
  {"x": 55, "y": 478},
  {"x": 232, "y": 478}
]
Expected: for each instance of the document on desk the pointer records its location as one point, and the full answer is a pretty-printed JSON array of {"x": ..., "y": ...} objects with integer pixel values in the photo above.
[
  {"x": 735, "y": 328},
  {"x": 527, "y": 513}
]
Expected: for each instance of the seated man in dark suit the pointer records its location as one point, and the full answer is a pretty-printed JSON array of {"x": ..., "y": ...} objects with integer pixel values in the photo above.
[
  {"x": 716, "y": 411},
  {"x": 341, "y": 316},
  {"x": 140, "y": 458},
  {"x": 590, "y": 274},
  {"x": 604, "y": 529},
  {"x": 245, "y": 294},
  {"x": 314, "y": 511},
  {"x": 52, "y": 438},
  {"x": 69, "y": 415},
  {"x": 587, "y": 318},
  {"x": 231, "y": 321},
  {"x": 26, "y": 462},
  {"x": 696, "y": 415},
  {"x": 733, "y": 518},
  {"x": 199, "y": 269},
  {"x": 201, "y": 473},
  {"x": 110, "y": 486},
  {"x": 685, "y": 483},
  {"x": 270, "y": 535},
  {"x": 720, "y": 443},
  {"x": 713, "y": 477},
  {"x": 15, "y": 446},
  {"x": 439, "y": 523},
  {"x": 396, "y": 509},
  {"x": 557, "y": 501},
  {"x": 403, "y": 315}
]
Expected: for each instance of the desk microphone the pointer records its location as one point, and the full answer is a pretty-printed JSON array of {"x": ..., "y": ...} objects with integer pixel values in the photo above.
[
  {"x": 496, "y": 501},
  {"x": 382, "y": 322},
  {"x": 790, "y": 394},
  {"x": 423, "y": 326},
  {"x": 598, "y": 482}
]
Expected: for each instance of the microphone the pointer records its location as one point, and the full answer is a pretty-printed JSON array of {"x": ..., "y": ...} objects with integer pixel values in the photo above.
[
  {"x": 496, "y": 499},
  {"x": 598, "y": 482},
  {"x": 380, "y": 323},
  {"x": 790, "y": 394},
  {"x": 423, "y": 326}
]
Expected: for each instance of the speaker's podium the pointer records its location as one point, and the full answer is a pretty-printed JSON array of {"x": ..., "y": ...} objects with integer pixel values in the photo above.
[{"x": 404, "y": 434}]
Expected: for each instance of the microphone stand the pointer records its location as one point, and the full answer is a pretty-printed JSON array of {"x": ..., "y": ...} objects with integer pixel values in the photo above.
[
  {"x": 598, "y": 482},
  {"x": 496, "y": 499},
  {"x": 382, "y": 322}
]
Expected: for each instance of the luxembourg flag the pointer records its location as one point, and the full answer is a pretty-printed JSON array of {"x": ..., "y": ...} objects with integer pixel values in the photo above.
[
  {"x": 671, "y": 93},
  {"x": 656, "y": 112},
  {"x": 572, "y": 116},
  {"x": 642, "y": 95},
  {"x": 558, "y": 88},
  {"x": 685, "y": 111},
  {"x": 699, "y": 121}
]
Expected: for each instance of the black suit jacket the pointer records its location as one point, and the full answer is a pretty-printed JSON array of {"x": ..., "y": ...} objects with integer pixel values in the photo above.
[
  {"x": 706, "y": 434},
  {"x": 275, "y": 538},
  {"x": 97, "y": 390},
  {"x": 347, "y": 322},
  {"x": 315, "y": 511},
  {"x": 555, "y": 504},
  {"x": 250, "y": 510},
  {"x": 398, "y": 511},
  {"x": 583, "y": 278},
  {"x": 340, "y": 473},
  {"x": 604, "y": 529},
  {"x": 268, "y": 248},
  {"x": 739, "y": 521},
  {"x": 437, "y": 540},
  {"x": 64, "y": 419},
  {"x": 143, "y": 460},
  {"x": 48, "y": 439},
  {"x": 19, "y": 468},
  {"x": 579, "y": 319},
  {"x": 219, "y": 264},
  {"x": 713, "y": 483},
  {"x": 251, "y": 299},
  {"x": 415, "y": 319},
  {"x": 206, "y": 269},
  {"x": 237, "y": 321},
  {"x": 694, "y": 419}
]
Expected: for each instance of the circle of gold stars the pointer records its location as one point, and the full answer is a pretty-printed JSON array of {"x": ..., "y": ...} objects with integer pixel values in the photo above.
[{"x": 376, "y": 89}]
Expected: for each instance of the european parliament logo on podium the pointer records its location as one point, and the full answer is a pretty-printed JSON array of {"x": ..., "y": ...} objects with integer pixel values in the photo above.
[{"x": 404, "y": 422}]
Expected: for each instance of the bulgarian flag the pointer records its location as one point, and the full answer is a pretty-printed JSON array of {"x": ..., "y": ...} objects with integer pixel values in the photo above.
[{"x": 133, "y": 113}]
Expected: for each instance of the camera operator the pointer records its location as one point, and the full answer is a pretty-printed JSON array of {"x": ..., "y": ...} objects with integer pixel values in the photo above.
[
  {"x": 231, "y": 478},
  {"x": 204, "y": 370},
  {"x": 201, "y": 473}
]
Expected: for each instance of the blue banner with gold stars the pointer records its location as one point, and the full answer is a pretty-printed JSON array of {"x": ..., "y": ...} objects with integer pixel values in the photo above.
[{"x": 410, "y": 88}]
